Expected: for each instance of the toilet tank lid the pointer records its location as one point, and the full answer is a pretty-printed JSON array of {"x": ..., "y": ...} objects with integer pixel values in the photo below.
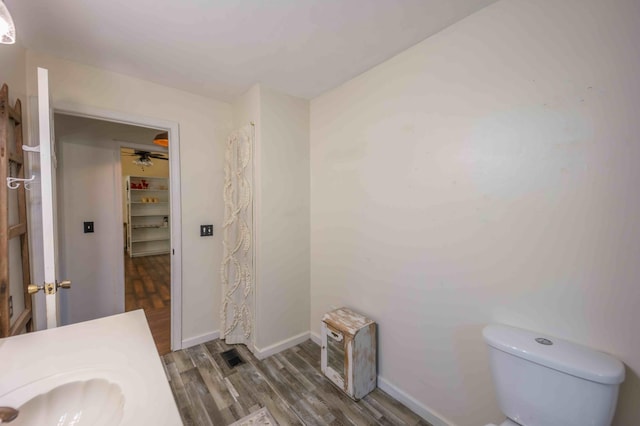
[{"x": 561, "y": 355}]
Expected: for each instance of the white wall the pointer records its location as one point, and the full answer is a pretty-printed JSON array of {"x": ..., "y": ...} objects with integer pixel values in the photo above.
[
  {"x": 88, "y": 191},
  {"x": 12, "y": 71},
  {"x": 282, "y": 224},
  {"x": 488, "y": 174},
  {"x": 246, "y": 109},
  {"x": 283, "y": 262},
  {"x": 204, "y": 125}
]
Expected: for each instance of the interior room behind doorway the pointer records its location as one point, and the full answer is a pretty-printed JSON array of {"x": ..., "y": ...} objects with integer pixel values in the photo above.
[{"x": 112, "y": 272}]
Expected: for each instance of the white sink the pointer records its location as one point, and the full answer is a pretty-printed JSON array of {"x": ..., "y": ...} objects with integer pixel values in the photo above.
[
  {"x": 81, "y": 402},
  {"x": 100, "y": 372}
]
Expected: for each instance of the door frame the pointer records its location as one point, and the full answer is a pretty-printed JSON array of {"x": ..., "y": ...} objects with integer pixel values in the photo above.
[{"x": 175, "y": 202}]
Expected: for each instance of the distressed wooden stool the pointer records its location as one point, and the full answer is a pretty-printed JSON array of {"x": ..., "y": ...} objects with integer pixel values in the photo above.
[{"x": 349, "y": 351}]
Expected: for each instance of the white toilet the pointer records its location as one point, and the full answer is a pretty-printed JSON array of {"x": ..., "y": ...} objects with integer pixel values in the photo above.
[{"x": 544, "y": 381}]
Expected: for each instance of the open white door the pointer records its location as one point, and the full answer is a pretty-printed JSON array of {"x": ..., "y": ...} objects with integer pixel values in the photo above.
[{"x": 48, "y": 187}]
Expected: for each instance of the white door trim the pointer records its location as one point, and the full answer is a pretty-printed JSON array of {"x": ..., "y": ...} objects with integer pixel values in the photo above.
[
  {"x": 47, "y": 182},
  {"x": 175, "y": 202}
]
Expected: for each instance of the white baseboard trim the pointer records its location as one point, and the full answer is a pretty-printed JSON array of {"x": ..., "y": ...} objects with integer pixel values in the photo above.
[
  {"x": 315, "y": 337},
  {"x": 192, "y": 341},
  {"x": 280, "y": 346},
  {"x": 414, "y": 405}
]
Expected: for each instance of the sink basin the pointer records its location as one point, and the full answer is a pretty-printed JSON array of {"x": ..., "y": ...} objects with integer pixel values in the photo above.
[
  {"x": 100, "y": 372},
  {"x": 82, "y": 402}
]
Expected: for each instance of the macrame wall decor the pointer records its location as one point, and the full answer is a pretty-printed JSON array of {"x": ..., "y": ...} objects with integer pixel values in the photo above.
[{"x": 237, "y": 264}]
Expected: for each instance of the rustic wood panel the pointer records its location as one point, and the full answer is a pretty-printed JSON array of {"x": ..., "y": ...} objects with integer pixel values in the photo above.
[
  {"x": 290, "y": 384},
  {"x": 4, "y": 212},
  {"x": 11, "y": 153}
]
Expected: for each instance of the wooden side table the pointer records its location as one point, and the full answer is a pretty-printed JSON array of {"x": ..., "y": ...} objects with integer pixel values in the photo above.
[{"x": 349, "y": 351}]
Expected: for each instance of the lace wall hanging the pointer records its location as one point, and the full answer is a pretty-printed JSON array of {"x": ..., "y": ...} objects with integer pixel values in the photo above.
[{"x": 237, "y": 264}]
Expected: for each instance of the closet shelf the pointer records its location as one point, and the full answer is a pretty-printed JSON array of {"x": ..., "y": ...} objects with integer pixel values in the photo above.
[
  {"x": 146, "y": 240},
  {"x": 158, "y": 202},
  {"x": 148, "y": 222}
]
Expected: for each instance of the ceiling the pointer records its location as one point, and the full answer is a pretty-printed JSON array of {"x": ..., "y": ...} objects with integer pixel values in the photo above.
[{"x": 219, "y": 48}]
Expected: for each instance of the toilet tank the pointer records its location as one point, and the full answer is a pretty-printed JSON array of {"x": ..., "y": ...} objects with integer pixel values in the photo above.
[{"x": 544, "y": 381}]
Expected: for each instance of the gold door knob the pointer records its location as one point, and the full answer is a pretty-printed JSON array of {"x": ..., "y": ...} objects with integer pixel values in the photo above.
[
  {"x": 49, "y": 288},
  {"x": 33, "y": 288}
]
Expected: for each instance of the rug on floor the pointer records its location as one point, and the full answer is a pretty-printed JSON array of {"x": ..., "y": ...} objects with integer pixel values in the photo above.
[{"x": 262, "y": 417}]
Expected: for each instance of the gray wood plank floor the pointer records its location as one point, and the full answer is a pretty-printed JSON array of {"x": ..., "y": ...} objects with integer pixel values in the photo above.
[{"x": 289, "y": 384}]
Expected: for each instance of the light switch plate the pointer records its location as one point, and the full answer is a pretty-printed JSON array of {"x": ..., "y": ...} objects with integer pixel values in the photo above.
[{"x": 206, "y": 230}]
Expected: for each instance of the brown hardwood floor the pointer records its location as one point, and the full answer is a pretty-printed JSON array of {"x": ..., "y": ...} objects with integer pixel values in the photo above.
[
  {"x": 290, "y": 384},
  {"x": 148, "y": 287}
]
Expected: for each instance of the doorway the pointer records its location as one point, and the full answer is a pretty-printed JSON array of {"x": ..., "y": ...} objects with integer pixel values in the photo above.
[
  {"x": 94, "y": 155},
  {"x": 147, "y": 262}
]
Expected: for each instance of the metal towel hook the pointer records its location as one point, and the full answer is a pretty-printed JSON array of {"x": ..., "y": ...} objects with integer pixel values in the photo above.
[{"x": 14, "y": 183}]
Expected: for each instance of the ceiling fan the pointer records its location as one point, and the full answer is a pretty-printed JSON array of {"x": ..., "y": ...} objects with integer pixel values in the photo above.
[{"x": 144, "y": 157}]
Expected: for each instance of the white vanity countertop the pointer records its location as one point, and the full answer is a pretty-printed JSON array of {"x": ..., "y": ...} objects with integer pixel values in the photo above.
[{"x": 118, "y": 348}]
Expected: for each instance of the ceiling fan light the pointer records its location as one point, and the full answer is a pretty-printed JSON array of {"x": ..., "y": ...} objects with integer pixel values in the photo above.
[
  {"x": 162, "y": 139},
  {"x": 7, "y": 29},
  {"x": 144, "y": 162}
]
